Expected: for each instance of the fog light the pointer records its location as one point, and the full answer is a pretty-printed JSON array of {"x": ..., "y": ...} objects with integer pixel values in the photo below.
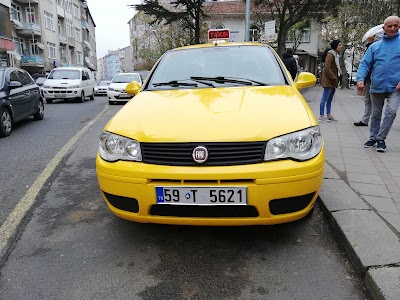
[{"x": 76, "y": 92}]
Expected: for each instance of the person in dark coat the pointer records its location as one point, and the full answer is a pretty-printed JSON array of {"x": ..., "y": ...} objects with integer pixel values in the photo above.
[{"x": 290, "y": 62}]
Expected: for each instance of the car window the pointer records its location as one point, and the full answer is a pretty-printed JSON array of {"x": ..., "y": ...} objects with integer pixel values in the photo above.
[
  {"x": 25, "y": 78},
  {"x": 14, "y": 76},
  {"x": 103, "y": 83},
  {"x": 1, "y": 78},
  {"x": 65, "y": 74},
  {"x": 256, "y": 63},
  {"x": 40, "y": 80},
  {"x": 126, "y": 78}
]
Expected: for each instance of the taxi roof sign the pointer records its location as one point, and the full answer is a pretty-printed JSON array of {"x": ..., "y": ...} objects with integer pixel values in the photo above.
[{"x": 219, "y": 34}]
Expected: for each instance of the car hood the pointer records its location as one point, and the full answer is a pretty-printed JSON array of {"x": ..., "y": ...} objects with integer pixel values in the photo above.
[
  {"x": 61, "y": 82},
  {"x": 117, "y": 85},
  {"x": 219, "y": 114}
]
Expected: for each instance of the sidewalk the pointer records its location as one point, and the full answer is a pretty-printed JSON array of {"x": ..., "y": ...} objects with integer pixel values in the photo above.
[{"x": 361, "y": 192}]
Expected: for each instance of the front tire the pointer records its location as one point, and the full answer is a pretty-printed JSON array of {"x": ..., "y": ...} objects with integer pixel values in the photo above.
[
  {"x": 92, "y": 96},
  {"x": 40, "y": 111},
  {"x": 5, "y": 122},
  {"x": 82, "y": 97}
]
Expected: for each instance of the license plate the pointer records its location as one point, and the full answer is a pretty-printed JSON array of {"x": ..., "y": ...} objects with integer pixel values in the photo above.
[
  {"x": 202, "y": 195},
  {"x": 59, "y": 95},
  {"x": 124, "y": 96}
]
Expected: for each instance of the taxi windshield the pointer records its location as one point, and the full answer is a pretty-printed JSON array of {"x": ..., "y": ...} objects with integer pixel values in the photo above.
[{"x": 221, "y": 65}]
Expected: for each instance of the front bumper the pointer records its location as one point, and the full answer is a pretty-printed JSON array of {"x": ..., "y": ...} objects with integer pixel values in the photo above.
[
  {"x": 118, "y": 96},
  {"x": 272, "y": 188},
  {"x": 61, "y": 93}
]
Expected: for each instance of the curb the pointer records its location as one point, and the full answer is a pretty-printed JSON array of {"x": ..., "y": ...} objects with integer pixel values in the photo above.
[{"x": 372, "y": 247}]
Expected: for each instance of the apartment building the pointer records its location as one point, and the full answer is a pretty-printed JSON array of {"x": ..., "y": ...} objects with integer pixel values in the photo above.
[
  {"x": 51, "y": 33},
  {"x": 117, "y": 61}
]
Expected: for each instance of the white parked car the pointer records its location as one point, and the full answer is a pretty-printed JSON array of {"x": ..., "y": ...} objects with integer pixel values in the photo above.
[
  {"x": 101, "y": 88},
  {"x": 117, "y": 89},
  {"x": 69, "y": 83}
]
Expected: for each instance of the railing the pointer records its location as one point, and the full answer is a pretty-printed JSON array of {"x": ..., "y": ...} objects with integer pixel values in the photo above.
[
  {"x": 32, "y": 60},
  {"x": 62, "y": 38},
  {"x": 30, "y": 27}
]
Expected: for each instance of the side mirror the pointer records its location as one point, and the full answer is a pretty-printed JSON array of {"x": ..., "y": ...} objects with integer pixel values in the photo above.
[
  {"x": 305, "y": 80},
  {"x": 133, "y": 88},
  {"x": 14, "y": 84}
]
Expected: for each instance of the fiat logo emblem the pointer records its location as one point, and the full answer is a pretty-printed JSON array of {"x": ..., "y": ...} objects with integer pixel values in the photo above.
[{"x": 200, "y": 154}]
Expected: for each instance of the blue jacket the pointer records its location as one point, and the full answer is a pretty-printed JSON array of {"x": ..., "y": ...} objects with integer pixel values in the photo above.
[{"x": 383, "y": 59}]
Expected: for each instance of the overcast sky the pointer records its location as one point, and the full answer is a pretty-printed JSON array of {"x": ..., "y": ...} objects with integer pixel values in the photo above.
[{"x": 111, "y": 18}]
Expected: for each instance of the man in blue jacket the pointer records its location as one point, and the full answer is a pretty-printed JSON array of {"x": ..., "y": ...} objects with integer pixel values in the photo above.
[{"x": 383, "y": 59}]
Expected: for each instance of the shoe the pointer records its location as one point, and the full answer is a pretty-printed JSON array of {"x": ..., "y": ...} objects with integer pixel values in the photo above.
[
  {"x": 322, "y": 119},
  {"x": 369, "y": 144},
  {"x": 330, "y": 118},
  {"x": 381, "y": 146},
  {"x": 361, "y": 123}
]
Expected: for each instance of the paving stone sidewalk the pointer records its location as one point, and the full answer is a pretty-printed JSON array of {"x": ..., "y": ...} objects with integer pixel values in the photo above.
[{"x": 361, "y": 192}]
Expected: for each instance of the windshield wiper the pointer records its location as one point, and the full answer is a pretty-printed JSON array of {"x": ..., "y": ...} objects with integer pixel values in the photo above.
[
  {"x": 221, "y": 79},
  {"x": 175, "y": 83}
]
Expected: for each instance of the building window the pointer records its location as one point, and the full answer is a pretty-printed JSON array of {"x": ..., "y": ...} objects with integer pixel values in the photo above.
[
  {"x": 30, "y": 15},
  {"x": 15, "y": 12},
  {"x": 48, "y": 20},
  {"x": 33, "y": 48},
  {"x": 76, "y": 11},
  {"x": 19, "y": 45},
  {"x": 79, "y": 57},
  {"x": 60, "y": 3},
  {"x": 52, "y": 50},
  {"x": 298, "y": 36},
  {"x": 78, "y": 35},
  {"x": 68, "y": 5},
  {"x": 68, "y": 24}
]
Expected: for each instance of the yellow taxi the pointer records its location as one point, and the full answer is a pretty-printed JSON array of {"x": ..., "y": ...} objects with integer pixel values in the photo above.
[{"x": 219, "y": 134}]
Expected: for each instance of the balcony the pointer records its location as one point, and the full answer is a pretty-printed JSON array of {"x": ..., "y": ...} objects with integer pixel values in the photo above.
[
  {"x": 29, "y": 29},
  {"x": 60, "y": 12},
  {"x": 62, "y": 38},
  {"x": 32, "y": 61},
  {"x": 71, "y": 41}
]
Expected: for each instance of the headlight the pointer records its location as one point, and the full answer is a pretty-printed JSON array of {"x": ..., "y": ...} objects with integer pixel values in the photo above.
[
  {"x": 113, "y": 147},
  {"x": 111, "y": 89},
  {"x": 301, "y": 145},
  {"x": 96, "y": 88}
]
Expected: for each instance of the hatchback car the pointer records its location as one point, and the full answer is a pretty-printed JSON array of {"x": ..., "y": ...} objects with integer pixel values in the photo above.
[
  {"x": 117, "y": 88},
  {"x": 218, "y": 135},
  {"x": 101, "y": 88},
  {"x": 19, "y": 98}
]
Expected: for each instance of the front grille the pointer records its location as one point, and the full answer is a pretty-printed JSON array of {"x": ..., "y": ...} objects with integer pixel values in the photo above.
[
  {"x": 221, "y": 211},
  {"x": 219, "y": 154}
]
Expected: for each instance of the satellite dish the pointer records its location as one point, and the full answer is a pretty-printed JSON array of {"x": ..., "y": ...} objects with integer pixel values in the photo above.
[
  {"x": 40, "y": 45},
  {"x": 87, "y": 59}
]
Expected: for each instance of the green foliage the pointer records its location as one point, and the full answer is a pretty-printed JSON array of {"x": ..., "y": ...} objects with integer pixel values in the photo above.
[
  {"x": 187, "y": 12},
  {"x": 288, "y": 13}
]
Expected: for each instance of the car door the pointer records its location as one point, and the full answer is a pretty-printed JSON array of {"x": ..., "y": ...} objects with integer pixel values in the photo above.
[
  {"x": 31, "y": 91},
  {"x": 86, "y": 83},
  {"x": 17, "y": 96}
]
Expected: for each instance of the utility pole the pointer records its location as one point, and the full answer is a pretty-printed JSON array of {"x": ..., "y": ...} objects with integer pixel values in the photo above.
[{"x": 247, "y": 22}]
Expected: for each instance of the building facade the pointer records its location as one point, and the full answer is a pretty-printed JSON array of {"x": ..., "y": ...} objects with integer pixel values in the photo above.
[
  {"x": 51, "y": 33},
  {"x": 117, "y": 61}
]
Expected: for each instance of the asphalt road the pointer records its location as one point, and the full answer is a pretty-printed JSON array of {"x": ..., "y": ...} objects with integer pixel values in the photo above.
[{"x": 71, "y": 247}]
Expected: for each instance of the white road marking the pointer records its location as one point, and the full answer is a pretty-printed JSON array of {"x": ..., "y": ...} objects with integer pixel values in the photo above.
[{"x": 9, "y": 227}]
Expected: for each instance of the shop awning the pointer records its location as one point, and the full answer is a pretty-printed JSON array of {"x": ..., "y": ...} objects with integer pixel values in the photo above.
[{"x": 6, "y": 44}]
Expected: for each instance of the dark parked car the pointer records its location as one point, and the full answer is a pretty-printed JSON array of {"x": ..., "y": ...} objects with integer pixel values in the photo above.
[{"x": 19, "y": 98}]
